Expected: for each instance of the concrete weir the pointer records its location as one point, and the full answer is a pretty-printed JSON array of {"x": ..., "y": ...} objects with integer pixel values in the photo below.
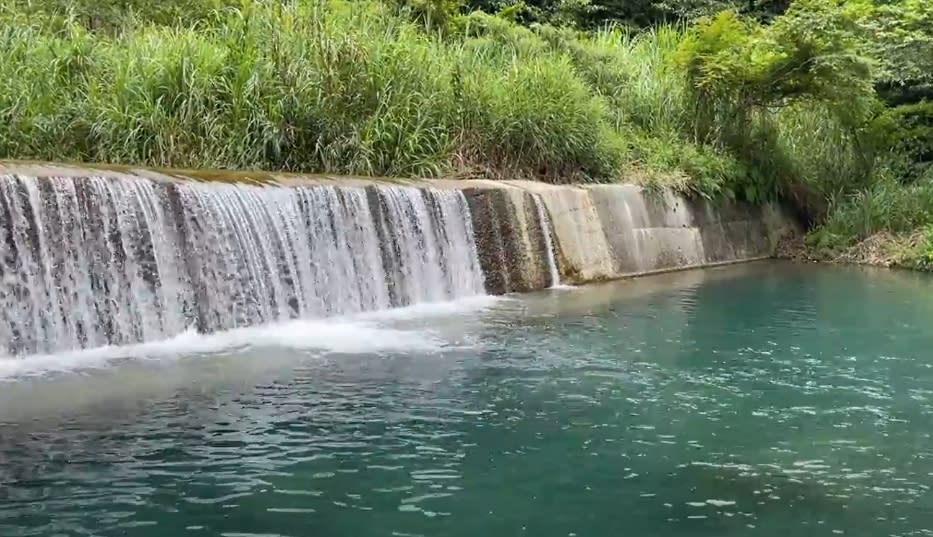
[
  {"x": 94, "y": 256},
  {"x": 611, "y": 231}
]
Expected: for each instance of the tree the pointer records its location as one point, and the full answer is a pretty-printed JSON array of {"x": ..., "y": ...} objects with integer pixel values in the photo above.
[
  {"x": 636, "y": 14},
  {"x": 744, "y": 73},
  {"x": 899, "y": 35}
]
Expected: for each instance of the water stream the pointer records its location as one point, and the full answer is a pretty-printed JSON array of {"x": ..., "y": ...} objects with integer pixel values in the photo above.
[{"x": 545, "y": 224}]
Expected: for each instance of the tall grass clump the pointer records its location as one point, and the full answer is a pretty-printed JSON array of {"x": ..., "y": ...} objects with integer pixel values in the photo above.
[
  {"x": 649, "y": 105},
  {"x": 113, "y": 16},
  {"x": 330, "y": 86},
  {"x": 524, "y": 108},
  {"x": 373, "y": 88},
  {"x": 323, "y": 86},
  {"x": 42, "y": 83},
  {"x": 824, "y": 160},
  {"x": 885, "y": 206},
  {"x": 636, "y": 73},
  {"x": 300, "y": 87}
]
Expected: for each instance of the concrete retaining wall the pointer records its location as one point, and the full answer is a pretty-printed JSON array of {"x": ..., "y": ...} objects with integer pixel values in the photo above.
[{"x": 597, "y": 232}]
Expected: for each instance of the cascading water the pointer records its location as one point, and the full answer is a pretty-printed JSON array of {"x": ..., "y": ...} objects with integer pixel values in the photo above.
[
  {"x": 86, "y": 262},
  {"x": 545, "y": 223}
]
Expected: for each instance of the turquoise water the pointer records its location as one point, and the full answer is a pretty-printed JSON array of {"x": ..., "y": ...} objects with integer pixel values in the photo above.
[{"x": 767, "y": 399}]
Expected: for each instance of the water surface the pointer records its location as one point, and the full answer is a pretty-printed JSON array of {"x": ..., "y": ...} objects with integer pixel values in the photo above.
[{"x": 766, "y": 399}]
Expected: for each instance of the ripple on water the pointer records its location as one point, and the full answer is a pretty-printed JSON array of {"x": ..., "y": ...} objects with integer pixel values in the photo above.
[{"x": 714, "y": 408}]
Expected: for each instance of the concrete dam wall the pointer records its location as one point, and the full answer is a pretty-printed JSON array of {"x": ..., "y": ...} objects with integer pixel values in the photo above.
[
  {"x": 93, "y": 257},
  {"x": 603, "y": 232}
]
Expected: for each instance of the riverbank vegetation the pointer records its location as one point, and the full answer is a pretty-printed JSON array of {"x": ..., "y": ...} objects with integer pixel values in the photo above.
[{"x": 827, "y": 105}]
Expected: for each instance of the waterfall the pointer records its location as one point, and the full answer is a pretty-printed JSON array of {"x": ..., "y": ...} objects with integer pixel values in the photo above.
[
  {"x": 86, "y": 262},
  {"x": 545, "y": 223}
]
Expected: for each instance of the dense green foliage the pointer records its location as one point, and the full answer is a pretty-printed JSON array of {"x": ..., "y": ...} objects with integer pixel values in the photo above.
[
  {"x": 309, "y": 86},
  {"x": 352, "y": 89},
  {"x": 898, "y": 202},
  {"x": 631, "y": 13},
  {"x": 115, "y": 15},
  {"x": 823, "y": 103}
]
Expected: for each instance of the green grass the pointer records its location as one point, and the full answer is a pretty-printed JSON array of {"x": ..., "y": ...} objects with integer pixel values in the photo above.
[
  {"x": 359, "y": 88},
  {"x": 311, "y": 86},
  {"x": 331, "y": 87},
  {"x": 883, "y": 207}
]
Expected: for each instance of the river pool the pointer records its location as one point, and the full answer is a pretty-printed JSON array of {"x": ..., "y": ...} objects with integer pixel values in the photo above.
[{"x": 764, "y": 399}]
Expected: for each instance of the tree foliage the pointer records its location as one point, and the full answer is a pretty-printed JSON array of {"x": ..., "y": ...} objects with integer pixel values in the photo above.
[
  {"x": 633, "y": 14},
  {"x": 810, "y": 53},
  {"x": 746, "y": 75},
  {"x": 899, "y": 35}
]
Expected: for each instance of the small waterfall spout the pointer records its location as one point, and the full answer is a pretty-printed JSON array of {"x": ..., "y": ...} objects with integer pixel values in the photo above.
[
  {"x": 545, "y": 222},
  {"x": 86, "y": 262}
]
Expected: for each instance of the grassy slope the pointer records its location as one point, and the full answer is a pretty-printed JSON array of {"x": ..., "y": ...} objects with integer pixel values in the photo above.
[
  {"x": 329, "y": 87},
  {"x": 326, "y": 87}
]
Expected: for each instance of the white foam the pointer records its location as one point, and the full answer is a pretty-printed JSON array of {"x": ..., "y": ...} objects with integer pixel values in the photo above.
[
  {"x": 564, "y": 287},
  {"x": 359, "y": 333},
  {"x": 325, "y": 336},
  {"x": 433, "y": 309}
]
